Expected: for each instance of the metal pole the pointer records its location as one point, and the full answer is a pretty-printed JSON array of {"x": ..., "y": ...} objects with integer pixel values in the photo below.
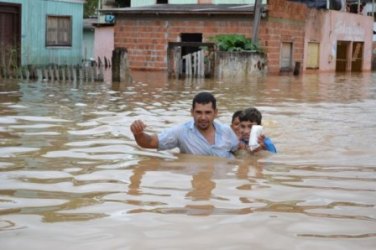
[
  {"x": 358, "y": 6},
  {"x": 98, "y": 8},
  {"x": 256, "y": 21}
]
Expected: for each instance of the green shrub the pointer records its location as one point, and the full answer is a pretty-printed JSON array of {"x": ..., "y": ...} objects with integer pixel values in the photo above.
[{"x": 234, "y": 42}]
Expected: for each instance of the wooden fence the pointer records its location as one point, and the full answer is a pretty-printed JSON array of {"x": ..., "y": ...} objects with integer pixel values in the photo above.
[
  {"x": 194, "y": 64},
  {"x": 85, "y": 72}
]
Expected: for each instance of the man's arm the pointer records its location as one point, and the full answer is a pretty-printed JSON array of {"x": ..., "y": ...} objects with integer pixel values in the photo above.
[{"x": 143, "y": 139}]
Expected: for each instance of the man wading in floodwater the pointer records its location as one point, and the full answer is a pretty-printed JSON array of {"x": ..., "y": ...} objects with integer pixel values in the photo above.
[{"x": 200, "y": 136}]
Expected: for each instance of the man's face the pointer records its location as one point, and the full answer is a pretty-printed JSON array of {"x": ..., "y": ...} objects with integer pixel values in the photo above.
[
  {"x": 245, "y": 129},
  {"x": 203, "y": 115}
]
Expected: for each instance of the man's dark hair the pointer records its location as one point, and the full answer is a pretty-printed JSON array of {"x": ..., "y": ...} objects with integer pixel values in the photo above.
[
  {"x": 252, "y": 115},
  {"x": 236, "y": 114},
  {"x": 204, "y": 98}
]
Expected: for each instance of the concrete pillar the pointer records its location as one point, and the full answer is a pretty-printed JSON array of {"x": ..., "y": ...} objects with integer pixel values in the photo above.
[{"x": 120, "y": 67}]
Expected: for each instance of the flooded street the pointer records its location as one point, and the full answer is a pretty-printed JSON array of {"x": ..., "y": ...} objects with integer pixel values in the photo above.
[{"x": 72, "y": 176}]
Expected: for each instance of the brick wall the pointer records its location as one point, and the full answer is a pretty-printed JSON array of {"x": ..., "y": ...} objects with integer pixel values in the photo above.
[
  {"x": 147, "y": 37},
  {"x": 287, "y": 10},
  {"x": 145, "y": 40},
  {"x": 285, "y": 23}
]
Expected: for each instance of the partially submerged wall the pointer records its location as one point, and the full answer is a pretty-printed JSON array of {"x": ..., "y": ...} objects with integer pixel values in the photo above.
[
  {"x": 147, "y": 37},
  {"x": 342, "y": 26},
  {"x": 285, "y": 24},
  {"x": 240, "y": 65}
]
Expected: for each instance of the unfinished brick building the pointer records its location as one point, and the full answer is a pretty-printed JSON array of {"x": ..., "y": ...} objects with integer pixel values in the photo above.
[{"x": 290, "y": 33}]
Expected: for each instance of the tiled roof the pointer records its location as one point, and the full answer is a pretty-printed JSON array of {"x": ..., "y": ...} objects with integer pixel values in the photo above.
[{"x": 190, "y": 9}]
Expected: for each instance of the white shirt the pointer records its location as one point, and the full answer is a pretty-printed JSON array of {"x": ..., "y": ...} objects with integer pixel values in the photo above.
[{"x": 190, "y": 141}]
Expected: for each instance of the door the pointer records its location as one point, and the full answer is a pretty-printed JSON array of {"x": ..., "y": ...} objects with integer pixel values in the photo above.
[
  {"x": 342, "y": 55},
  {"x": 313, "y": 55},
  {"x": 286, "y": 57},
  {"x": 357, "y": 57},
  {"x": 190, "y": 37},
  {"x": 10, "y": 30}
]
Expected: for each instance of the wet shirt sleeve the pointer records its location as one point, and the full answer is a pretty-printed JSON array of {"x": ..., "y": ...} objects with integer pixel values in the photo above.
[
  {"x": 189, "y": 140},
  {"x": 169, "y": 138},
  {"x": 269, "y": 145}
]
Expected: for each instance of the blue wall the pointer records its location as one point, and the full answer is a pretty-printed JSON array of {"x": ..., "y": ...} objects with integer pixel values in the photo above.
[
  {"x": 88, "y": 44},
  {"x": 33, "y": 31}
]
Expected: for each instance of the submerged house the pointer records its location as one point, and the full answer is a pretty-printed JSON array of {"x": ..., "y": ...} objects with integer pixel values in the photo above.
[
  {"x": 336, "y": 39},
  {"x": 292, "y": 33},
  {"x": 41, "y": 32},
  {"x": 369, "y": 9}
]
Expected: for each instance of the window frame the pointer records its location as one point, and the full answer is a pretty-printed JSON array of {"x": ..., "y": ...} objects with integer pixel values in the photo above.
[{"x": 58, "y": 40}]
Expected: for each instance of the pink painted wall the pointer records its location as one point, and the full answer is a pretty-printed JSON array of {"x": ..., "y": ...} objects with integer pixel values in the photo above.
[
  {"x": 327, "y": 27},
  {"x": 103, "y": 42}
]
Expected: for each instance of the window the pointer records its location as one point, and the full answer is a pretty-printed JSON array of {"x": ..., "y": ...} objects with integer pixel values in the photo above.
[
  {"x": 162, "y": 1},
  {"x": 59, "y": 31},
  {"x": 122, "y": 3}
]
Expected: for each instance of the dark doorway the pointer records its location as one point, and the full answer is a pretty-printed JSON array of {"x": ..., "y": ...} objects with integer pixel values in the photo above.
[
  {"x": 10, "y": 33},
  {"x": 357, "y": 57},
  {"x": 123, "y": 3},
  {"x": 177, "y": 63},
  {"x": 342, "y": 56},
  {"x": 190, "y": 37},
  {"x": 162, "y": 1}
]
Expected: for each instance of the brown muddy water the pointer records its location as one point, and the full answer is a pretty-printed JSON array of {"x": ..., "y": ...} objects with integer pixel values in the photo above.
[{"x": 72, "y": 177}]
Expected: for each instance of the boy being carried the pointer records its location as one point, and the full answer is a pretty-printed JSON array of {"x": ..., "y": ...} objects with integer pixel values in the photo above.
[{"x": 248, "y": 118}]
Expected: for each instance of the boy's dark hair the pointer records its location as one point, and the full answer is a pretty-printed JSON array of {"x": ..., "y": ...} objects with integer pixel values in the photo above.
[
  {"x": 252, "y": 115},
  {"x": 236, "y": 114},
  {"x": 204, "y": 98}
]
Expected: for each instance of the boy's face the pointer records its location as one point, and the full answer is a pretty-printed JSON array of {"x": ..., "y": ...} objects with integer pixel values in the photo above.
[
  {"x": 235, "y": 125},
  {"x": 245, "y": 129}
]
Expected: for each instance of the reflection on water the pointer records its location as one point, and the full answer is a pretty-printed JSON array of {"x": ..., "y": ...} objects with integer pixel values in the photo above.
[{"x": 71, "y": 175}]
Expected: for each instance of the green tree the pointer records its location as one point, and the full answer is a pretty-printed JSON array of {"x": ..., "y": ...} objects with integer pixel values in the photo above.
[
  {"x": 90, "y": 8},
  {"x": 234, "y": 42}
]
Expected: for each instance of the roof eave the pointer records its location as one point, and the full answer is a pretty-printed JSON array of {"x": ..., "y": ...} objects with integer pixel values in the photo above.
[
  {"x": 212, "y": 11},
  {"x": 185, "y": 13}
]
